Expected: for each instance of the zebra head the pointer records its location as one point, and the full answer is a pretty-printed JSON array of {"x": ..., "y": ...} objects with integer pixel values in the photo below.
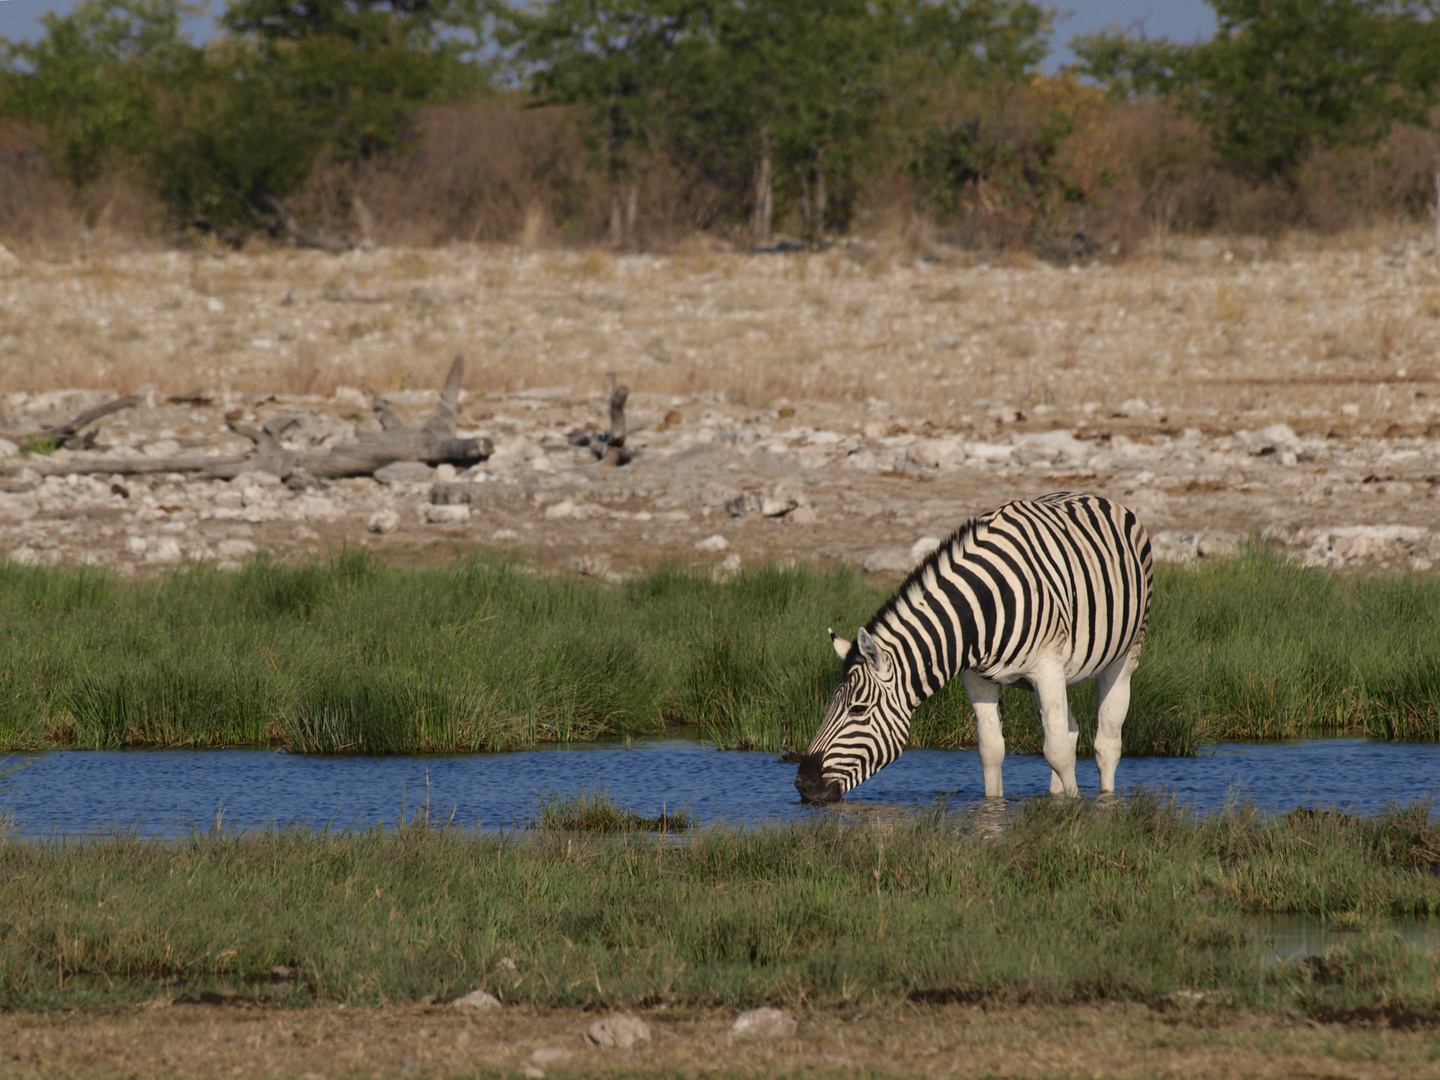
[{"x": 865, "y": 726}]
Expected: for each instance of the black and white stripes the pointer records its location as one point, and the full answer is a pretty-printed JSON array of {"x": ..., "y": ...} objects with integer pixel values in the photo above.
[{"x": 1051, "y": 592}]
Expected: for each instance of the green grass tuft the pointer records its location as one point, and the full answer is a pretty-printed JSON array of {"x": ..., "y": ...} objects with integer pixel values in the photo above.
[
  {"x": 596, "y": 812},
  {"x": 351, "y": 657},
  {"x": 1071, "y": 901}
]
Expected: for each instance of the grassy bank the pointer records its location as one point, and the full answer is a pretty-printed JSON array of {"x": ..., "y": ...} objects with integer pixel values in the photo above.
[
  {"x": 1071, "y": 903},
  {"x": 352, "y": 657}
]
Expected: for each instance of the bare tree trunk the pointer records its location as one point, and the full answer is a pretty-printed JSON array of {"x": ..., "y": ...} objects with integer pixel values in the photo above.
[
  {"x": 813, "y": 197},
  {"x": 617, "y": 220},
  {"x": 764, "y": 191},
  {"x": 632, "y": 208},
  {"x": 364, "y": 219},
  {"x": 821, "y": 197}
]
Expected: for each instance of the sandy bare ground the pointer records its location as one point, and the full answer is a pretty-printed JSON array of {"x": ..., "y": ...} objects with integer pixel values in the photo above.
[
  {"x": 843, "y": 405},
  {"x": 948, "y": 1041}
]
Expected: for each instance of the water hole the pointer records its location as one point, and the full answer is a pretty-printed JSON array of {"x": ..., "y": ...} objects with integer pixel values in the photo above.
[{"x": 170, "y": 792}]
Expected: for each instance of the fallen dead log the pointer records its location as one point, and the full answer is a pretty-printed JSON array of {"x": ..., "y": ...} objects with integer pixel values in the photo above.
[
  {"x": 134, "y": 466},
  {"x": 284, "y": 221},
  {"x": 433, "y": 442}
]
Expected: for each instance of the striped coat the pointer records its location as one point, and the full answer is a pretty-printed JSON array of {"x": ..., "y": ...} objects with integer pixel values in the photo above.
[{"x": 1051, "y": 592}]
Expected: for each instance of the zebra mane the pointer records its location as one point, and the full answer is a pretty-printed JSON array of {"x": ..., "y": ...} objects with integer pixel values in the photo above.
[{"x": 959, "y": 536}]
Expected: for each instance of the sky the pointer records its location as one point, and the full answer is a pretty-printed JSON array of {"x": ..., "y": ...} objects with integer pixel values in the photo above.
[{"x": 1184, "y": 21}]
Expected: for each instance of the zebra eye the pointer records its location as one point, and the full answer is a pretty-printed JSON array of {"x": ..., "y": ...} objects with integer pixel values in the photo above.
[{"x": 859, "y": 710}]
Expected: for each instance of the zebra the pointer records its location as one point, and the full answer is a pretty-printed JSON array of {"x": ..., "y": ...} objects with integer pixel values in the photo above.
[{"x": 1050, "y": 592}]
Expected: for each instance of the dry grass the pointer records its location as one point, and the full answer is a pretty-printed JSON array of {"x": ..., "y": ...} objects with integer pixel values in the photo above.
[
  {"x": 497, "y": 170},
  {"x": 1198, "y": 329},
  {"x": 952, "y": 1041}
]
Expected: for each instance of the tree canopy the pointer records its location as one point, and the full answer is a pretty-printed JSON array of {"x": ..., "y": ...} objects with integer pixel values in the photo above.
[
  {"x": 796, "y": 90},
  {"x": 1283, "y": 77},
  {"x": 228, "y": 131}
]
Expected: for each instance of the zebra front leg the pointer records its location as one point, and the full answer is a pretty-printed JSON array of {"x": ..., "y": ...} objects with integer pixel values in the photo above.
[
  {"x": 985, "y": 700},
  {"x": 1113, "y": 684},
  {"x": 1061, "y": 731}
]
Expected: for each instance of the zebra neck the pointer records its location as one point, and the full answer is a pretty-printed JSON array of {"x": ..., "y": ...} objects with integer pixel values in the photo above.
[{"x": 928, "y": 647}]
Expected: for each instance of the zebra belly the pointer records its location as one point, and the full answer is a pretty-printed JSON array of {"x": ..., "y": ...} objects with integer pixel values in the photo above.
[{"x": 1076, "y": 669}]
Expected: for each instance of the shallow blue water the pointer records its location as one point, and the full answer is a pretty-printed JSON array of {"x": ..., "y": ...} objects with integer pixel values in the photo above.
[{"x": 164, "y": 792}]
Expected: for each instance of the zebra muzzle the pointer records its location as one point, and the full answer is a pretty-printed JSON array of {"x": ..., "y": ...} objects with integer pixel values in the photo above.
[{"x": 810, "y": 781}]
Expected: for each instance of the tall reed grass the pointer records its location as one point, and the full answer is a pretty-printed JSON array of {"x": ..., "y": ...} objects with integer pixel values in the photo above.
[
  {"x": 1071, "y": 902},
  {"x": 350, "y": 657}
]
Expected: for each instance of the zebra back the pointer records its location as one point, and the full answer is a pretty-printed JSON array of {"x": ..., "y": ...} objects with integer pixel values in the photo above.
[{"x": 1064, "y": 570}]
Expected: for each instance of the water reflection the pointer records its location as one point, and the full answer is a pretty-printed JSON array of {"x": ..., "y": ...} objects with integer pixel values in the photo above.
[{"x": 1290, "y": 938}]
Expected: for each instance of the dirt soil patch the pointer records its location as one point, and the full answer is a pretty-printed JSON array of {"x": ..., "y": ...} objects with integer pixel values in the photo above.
[{"x": 234, "y": 1040}]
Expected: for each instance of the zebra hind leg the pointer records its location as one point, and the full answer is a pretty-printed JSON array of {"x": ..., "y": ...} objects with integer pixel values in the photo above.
[
  {"x": 1113, "y": 684},
  {"x": 985, "y": 700},
  {"x": 1061, "y": 731},
  {"x": 1057, "y": 787}
]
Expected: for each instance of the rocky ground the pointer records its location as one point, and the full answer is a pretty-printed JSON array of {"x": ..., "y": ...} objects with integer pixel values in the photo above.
[
  {"x": 239, "y": 1039},
  {"x": 849, "y": 406}
]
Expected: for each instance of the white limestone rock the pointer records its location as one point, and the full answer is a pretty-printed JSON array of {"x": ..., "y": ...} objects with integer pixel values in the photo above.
[
  {"x": 383, "y": 522},
  {"x": 456, "y": 514},
  {"x": 712, "y": 543},
  {"x": 1058, "y": 447},
  {"x": 350, "y": 398},
  {"x": 888, "y": 560},
  {"x": 236, "y": 550},
  {"x": 18, "y": 507},
  {"x": 258, "y": 478},
  {"x": 405, "y": 472},
  {"x": 923, "y": 547},
  {"x": 1134, "y": 407},
  {"x": 1364, "y": 543},
  {"x": 861, "y": 459},
  {"x": 779, "y": 502},
  {"x": 945, "y": 454},
  {"x": 165, "y": 550},
  {"x": 620, "y": 1032},
  {"x": 993, "y": 453},
  {"x": 565, "y": 508},
  {"x": 1273, "y": 439},
  {"x": 27, "y": 556},
  {"x": 764, "y": 1023},
  {"x": 480, "y": 1000}
]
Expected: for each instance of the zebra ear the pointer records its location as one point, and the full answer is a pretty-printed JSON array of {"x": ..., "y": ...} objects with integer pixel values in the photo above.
[
  {"x": 878, "y": 661},
  {"x": 842, "y": 647}
]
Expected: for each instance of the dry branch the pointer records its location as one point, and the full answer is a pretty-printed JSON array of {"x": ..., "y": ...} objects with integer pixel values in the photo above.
[
  {"x": 64, "y": 433},
  {"x": 615, "y": 452},
  {"x": 434, "y": 443},
  {"x": 608, "y": 446},
  {"x": 285, "y": 221}
]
